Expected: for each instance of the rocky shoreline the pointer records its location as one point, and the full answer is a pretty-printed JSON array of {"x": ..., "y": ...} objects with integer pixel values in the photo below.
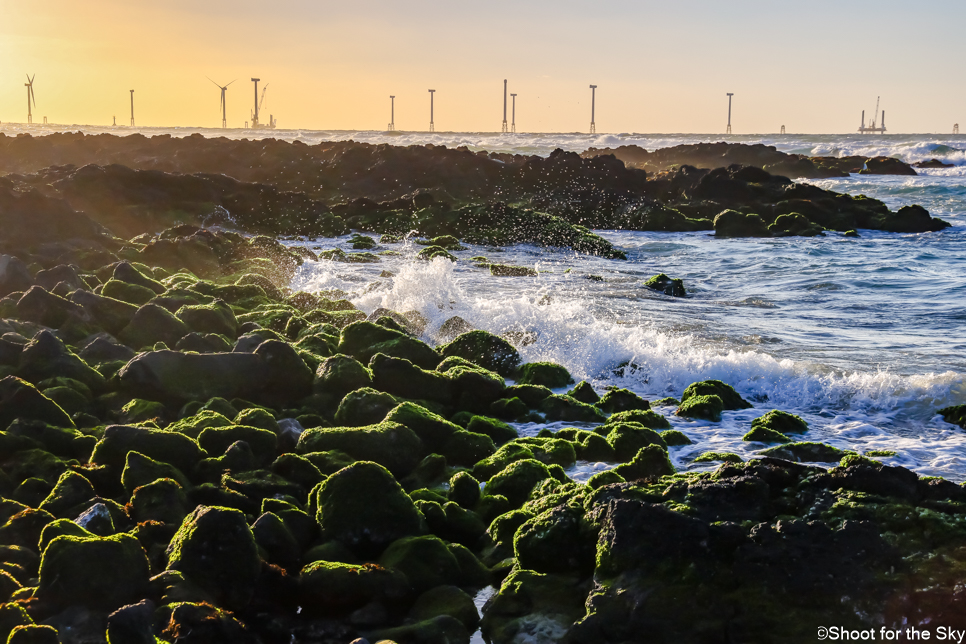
[{"x": 192, "y": 452}]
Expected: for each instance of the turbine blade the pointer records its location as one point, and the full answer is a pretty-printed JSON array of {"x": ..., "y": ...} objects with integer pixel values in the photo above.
[{"x": 231, "y": 82}]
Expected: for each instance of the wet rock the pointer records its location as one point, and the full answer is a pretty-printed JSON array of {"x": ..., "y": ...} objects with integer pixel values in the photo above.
[
  {"x": 486, "y": 350},
  {"x": 795, "y": 225},
  {"x": 152, "y": 324},
  {"x": 215, "y": 550},
  {"x": 731, "y": 223},
  {"x": 618, "y": 400},
  {"x": 33, "y": 634},
  {"x": 328, "y": 588},
  {"x": 194, "y": 623},
  {"x": 650, "y": 462},
  {"x": 666, "y": 285},
  {"x": 565, "y": 408},
  {"x": 584, "y": 392},
  {"x": 161, "y": 500},
  {"x": 216, "y": 317},
  {"x": 781, "y": 422},
  {"x": 517, "y": 480},
  {"x": 547, "y": 374},
  {"x": 729, "y": 397},
  {"x": 132, "y": 624},
  {"x": 362, "y": 340},
  {"x": 167, "y": 447},
  {"x": 806, "y": 452},
  {"x": 887, "y": 165},
  {"x": 400, "y": 377},
  {"x": 425, "y": 561}
]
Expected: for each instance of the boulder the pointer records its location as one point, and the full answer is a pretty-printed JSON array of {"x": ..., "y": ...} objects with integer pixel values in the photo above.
[
  {"x": 627, "y": 439},
  {"x": 152, "y": 324},
  {"x": 364, "y": 508},
  {"x": 364, "y": 406},
  {"x": 517, "y": 480},
  {"x": 729, "y": 397},
  {"x": 125, "y": 292},
  {"x": 46, "y": 356},
  {"x": 167, "y": 447},
  {"x": 14, "y": 276},
  {"x": 40, "y": 306},
  {"x": 141, "y": 470},
  {"x": 433, "y": 430},
  {"x": 650, "y": 462},
  {"x": 20, "y": 399},
  {"x": 702, "y": 408},
  {"x": 560, "y": 407},
  {"x": 556, "y": 541},
  {"x": 125, "y": 272},
  {"x": 548, "y": 374},
  {"x": 331, "y": 588},
  {"x": 666, "y": 285},
  {"x": 273, "y": 374},
  {"x": 362, "y": 340},
  {"x": 340, "y": 374},
  {"x": 485, "y": 349},
  {"x": 214, "y": 549},
  {"x": 425, "y": 561},
  {"x": 394, "y": 446},
  {"x": 617, "y": 400},
  {"x": 731, "y": 223},
  {"x": 400, "y": 377},
  {"x": 216, "y": 317},
  {"x": 102, "y": 573}
]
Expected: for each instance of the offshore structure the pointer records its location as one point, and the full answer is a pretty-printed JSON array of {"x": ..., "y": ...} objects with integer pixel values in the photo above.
[
  {"x": 873, "y": 129},
  {"x": 432, "y": 126},
  {"x": 593, "y": 98},
  {"x": 30, "y": 97},
  {"x": 132, "y": 108},
  {"x": 256, "y": 125},
  {"x": 392, "y": 113},
  {"x": 730, "y": 94},
  {"x": 955, "y": 128},
  {"x": 513, "y": 124},
  {"x": 504, "y": 105},
  {"x": 224, "y": 118}
]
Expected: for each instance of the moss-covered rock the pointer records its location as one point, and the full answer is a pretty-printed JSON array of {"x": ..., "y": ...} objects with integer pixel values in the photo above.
[
  {"x": 556, "y": 541},
  {"x": 33, "y": 634},
  {"x": 11, "y": 616},
  {"x": 618, "y": 400},
  {"x": 216, "y": 440},
  {"x": 71, "y": 490},
  {"x": 780, "y": 422},
  {"x": 584, "y": 392},
  {"x": 607, "y": 477},
  {"x": 46, "y": 356},
  {"x": 214, "y": 549},
  {"x": 332, "y": 588},
  {"x": 161, "y": 500},
  {"x": 674, "y": 438},
  {"x": 650, "y": 462},
  {"x": 152, "y": 324},
  {"x": 509, "y": 409},
  {"x": 565, "y": 408},
  {"x": 485, "y": 349},
  {"x": 446, "y": 600},
  {"x": 365, "y": 406},
  {"x": 392, "y": 445},
  {"x": 216, "y": 317},
  {"x": 729, "y": 397},
  {"x": 666, "y": 285},
  {"x": 140, "y": 470},
  {"x": 627, "y": 439},
  {"x": 464, "y": 448},
  {"x": 20, "y": 399},
  {"x": 517, "y": 480},
  {"x": 400, "y": 377},
  {"x": 701, "y": 407},
  {"x": 762, "y": 434},
  {"x": 475, "y": 389},
  {"x": 129, "y": 293},
  {"x": 548, "y": 374},
  {"x": 432, "y": 429},
  {"x": 464, "y": 490},
  {"x": 532, "y": 395},
  {"x": 97, "y": 572},
  {"x": 725, "y": 457},
  {"x": 807, "y": 452},
  {"x": 167, "y": 447},
  {"x": 362, "y": 340},
  {"x": 425, "y": 561},
  {"x": 340, "y": 374},
  {"x": 497, "y": 430},
  {"x": 364, "y": 508}
]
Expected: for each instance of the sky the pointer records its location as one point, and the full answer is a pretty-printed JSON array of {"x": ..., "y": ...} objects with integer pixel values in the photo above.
[{"x": 659, "y": 66}]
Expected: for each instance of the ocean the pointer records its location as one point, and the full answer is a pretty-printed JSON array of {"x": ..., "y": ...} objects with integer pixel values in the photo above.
[{"x": 864, "y": 338}]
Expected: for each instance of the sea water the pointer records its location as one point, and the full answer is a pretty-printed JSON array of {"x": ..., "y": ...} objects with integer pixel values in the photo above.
[{"x": 864, "y": 338}]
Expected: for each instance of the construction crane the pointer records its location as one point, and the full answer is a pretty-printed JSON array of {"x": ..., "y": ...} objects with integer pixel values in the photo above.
[{"x": 265, "y": 89}]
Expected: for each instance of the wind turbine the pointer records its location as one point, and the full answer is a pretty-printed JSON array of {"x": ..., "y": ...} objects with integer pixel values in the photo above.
[
  {"x": 224, "y": 119},
  {"x": 30, "y": 97}
]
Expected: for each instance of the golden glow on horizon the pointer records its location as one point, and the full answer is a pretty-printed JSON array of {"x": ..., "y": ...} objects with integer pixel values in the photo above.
[{"x": 331, "y": 66}]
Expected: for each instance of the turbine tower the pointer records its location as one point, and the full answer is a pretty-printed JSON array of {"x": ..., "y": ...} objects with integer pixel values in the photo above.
[
  {"x": 224, "y": 117},
  {"x": 132, "y": 108},
  {"x": 730, "y": 94},
  {"x": 593, "y": 98},
  {"x": 30, "y": 97},
  {"x": 513, "y": 125},
  {"x": 255, "y": 116},
  {"x": 392, "y": 113},
  {"x": 432, "y": 93},
  {"x": 504, "y": 105}
]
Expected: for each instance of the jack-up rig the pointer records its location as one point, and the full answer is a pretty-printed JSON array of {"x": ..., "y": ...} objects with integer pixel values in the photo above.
[
  {"x": 872, "y": 129},
  {"x": 256, "y": 125}
]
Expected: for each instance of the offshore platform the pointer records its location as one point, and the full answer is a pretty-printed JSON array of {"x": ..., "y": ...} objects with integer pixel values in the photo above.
[{"x": 872, "y": 128}]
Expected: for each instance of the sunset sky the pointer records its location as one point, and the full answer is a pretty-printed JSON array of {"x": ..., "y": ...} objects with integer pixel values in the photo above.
[{"x": 660, "y": 66}]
